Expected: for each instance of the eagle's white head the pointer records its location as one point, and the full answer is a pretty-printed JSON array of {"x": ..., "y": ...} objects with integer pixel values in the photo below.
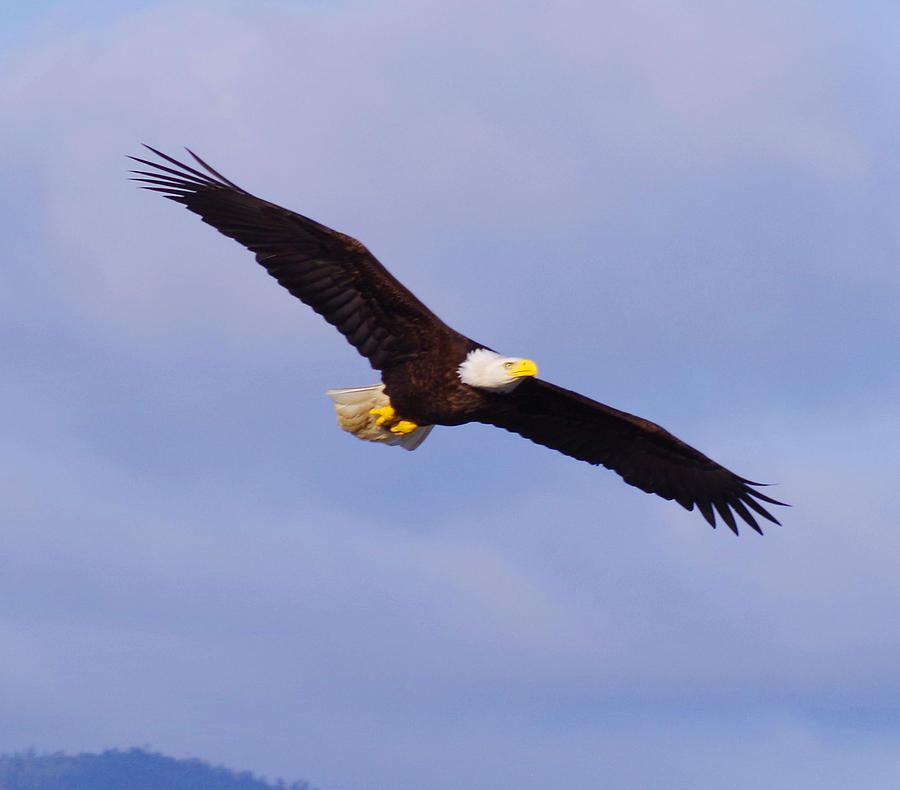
[{"x": 492, "y": 371}]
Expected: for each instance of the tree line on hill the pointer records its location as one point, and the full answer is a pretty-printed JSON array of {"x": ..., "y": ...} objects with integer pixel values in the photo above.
[{"x": 134, "y": 769}]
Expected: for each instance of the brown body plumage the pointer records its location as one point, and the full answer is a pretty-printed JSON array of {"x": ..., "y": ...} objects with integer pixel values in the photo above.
[{"x": 419, "y": 356}]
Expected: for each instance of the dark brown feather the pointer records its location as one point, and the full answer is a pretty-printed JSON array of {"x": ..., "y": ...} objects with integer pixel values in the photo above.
[
  {"x": 331, "y": 272},
  {"x": 643, "y": 453},
  {"x": 418, "y": 354}
]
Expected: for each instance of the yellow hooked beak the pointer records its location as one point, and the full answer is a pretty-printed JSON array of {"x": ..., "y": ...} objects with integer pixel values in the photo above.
[{"x": 524, "y": 367}]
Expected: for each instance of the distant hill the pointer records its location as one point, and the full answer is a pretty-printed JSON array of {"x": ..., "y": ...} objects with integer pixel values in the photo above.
[{"x": 134, "y": 769}]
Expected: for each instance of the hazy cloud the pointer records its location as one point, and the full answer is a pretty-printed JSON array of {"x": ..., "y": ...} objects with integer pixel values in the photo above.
[{"x": 682, "y": 211}]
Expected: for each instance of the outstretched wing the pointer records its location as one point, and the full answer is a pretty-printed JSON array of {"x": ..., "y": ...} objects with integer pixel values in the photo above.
[
  {"x": 332, "y": 273},
  {"x": 643, "y": 453}
]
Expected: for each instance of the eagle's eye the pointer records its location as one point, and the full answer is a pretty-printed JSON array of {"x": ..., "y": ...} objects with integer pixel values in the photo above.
[{"x": 507, "y": 365}]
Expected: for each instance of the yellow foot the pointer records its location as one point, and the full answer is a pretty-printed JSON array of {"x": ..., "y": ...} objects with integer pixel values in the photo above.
[
  {"x": 403, "y": 427},
  {"x": 388, "y": 418},
  {"x": 385, "y": 414}
]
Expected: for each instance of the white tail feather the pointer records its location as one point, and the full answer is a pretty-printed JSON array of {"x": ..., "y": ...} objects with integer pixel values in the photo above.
[{"x": 352, "y": 406}]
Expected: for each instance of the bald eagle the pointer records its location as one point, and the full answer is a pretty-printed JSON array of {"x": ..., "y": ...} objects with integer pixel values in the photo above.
[{"x": 432, "y": 375}]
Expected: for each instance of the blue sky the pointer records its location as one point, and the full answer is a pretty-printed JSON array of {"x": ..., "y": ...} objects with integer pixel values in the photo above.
[{"x": 687, "y": 211}]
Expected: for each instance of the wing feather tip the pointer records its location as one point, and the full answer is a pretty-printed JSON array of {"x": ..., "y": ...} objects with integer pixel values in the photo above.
[
  {"x": 722, "y": 506},
  {"x": 707, "y": 512}
]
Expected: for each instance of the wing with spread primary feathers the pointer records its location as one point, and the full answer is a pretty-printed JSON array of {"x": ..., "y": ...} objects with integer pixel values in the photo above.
[
  {"x": 643, "y": 453},
  {"x": 332, "y": 273}
]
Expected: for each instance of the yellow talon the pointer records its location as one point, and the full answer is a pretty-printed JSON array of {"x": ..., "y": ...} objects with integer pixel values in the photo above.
[
  {"x": 385, "y": 414},
  {"x": 388, "y": 418},
  {"x": 402, "y": 427}
]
